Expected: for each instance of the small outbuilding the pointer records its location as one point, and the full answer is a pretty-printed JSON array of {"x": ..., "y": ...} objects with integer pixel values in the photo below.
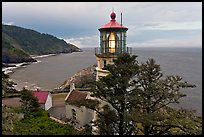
[
  {"x": 44, "y": 98},
  {"x": 78, "y": 115}
]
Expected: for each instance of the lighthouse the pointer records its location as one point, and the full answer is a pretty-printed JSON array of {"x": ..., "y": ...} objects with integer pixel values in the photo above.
[{"x": 112, "y": 44}]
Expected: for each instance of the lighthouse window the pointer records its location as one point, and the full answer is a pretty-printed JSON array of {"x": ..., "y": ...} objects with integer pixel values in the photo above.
[
  {"x": 104, "y": 63},
  {"x": 112, "y": 42},
  {"x": 73, "y": 114}
]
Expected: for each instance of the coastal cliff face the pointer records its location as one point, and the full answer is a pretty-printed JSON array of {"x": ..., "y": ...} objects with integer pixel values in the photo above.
[
  {"x": 82, "y": 79},
  {"x": 11, "y": 51},
  {"x": 19, "y": 43}
]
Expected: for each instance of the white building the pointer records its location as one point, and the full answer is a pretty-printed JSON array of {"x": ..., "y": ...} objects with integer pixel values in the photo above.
[
  {"x": 78, "y": 115},
  {"x": 44, "y": 99}
]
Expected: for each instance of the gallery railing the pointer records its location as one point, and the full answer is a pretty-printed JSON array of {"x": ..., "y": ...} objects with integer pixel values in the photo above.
[{"x": 112, "y": 51}]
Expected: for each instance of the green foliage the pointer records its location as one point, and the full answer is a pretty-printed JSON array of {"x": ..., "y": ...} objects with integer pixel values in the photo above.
[
  {"x": 114, "y": 89},
  {"x": 7, "y": 86},
  {"x": 104, "y": 121},
  {"x": 10, "y": 116},
  {"x": 29, "y": 102},
  {"x": 86, "y": 131},
  {"x": 86, "y": 81},
  {"x": 139, "y": 96},
  {"x": 11, "y": 50},
  {"x": 42, "y": 125},
  {"x": 154, "y": 93},
  {"x": 180, "y": 122},
  {"x": 20, "y": 42},
  {"x": 90, "y": 103}
]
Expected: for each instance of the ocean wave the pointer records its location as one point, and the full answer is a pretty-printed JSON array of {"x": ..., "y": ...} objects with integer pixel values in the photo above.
[
  {"x": 38, "y": 61},
  {"x": 42, "y": 56},
  {"x": 8, "y": 70},
  {"x": 17, "y": 65}
]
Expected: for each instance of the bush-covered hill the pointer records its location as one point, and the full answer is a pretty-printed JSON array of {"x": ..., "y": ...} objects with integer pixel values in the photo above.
[{"x": 19, "y": 43}]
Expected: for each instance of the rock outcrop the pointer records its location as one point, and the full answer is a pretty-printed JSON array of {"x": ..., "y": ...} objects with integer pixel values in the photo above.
[{"x": 82, "y": 79}]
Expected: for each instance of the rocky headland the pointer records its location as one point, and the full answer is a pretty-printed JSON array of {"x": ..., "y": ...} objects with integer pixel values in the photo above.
[{"x": 82, "y": 79}]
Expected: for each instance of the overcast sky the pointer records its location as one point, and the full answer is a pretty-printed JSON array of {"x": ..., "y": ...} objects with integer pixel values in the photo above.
[{"x": 150, "y": 24}]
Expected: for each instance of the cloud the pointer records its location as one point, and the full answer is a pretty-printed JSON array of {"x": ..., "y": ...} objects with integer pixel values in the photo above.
[
  {"x": 92, "y": 13},
  {"x": 192, "y": 42},
  {"x": 166, "y": 11},
  {"x": 174, "y": 26},
  {"x": 84, "y": 42},
  {"x": 79, "y": 21}
]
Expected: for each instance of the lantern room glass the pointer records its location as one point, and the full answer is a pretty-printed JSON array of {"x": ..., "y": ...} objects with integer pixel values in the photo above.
[{"x": 112, "y": 42}]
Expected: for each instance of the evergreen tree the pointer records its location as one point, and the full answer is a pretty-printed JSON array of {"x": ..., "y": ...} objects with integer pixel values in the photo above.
[
  {"x": 105, "y": 125},
  {"x": 115, "y": 89},
  {"x": 29, "y": 102},
  {"x": 154, "y": 93},
  {"x": 139, "y": 94},
  {"x": 7, "y": 85}
]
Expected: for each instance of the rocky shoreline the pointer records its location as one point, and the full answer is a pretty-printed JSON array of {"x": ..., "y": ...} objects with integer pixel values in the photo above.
[
  {"x": 8, "y": 68},
  {"x": 77, "y": 78},
  {"x": 82, "y": 79}
]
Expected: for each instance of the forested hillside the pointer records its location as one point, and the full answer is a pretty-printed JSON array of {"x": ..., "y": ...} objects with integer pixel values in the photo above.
[{"x": 19, "y": 43}]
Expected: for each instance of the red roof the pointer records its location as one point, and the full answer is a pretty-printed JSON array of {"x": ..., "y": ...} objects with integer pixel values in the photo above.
[
  {"x": 76, "y": 96},
  {"x": 113, "y": 23},
  {"x": 41, "y": 95}
]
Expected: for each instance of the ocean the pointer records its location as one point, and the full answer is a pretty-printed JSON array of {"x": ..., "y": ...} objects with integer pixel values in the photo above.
[{"x": 50, "y": 72}]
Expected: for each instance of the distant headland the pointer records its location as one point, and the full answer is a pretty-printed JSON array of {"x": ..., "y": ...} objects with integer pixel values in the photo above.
[{"x": 20, "y": 44}]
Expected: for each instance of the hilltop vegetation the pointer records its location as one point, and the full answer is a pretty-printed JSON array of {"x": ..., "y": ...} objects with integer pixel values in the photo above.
[
  {"x": 15, "y": 122},
  {"x": 11, "y": 51},
  {"x": 19, "y": 43}
]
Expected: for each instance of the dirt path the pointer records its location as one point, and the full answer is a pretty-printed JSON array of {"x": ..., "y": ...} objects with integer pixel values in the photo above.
[
  {"x": 59, "y": 99},
  {"x": 11, "y": 102},
  {"x": 58, "y": 106}
]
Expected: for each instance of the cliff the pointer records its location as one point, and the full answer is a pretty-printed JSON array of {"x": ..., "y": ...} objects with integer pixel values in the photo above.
[
  {"x": 19, "y": 43},
  {"x": 82, "y": 79}
]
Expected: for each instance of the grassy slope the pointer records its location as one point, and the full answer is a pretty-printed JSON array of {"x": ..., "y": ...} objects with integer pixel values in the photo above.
[
  {"x": 19, "y": 43},
  {"x": 11, "y": 51}
]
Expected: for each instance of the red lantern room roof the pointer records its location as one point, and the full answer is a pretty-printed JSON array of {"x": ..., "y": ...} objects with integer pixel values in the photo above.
[{"x": 113, "y": 23}]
